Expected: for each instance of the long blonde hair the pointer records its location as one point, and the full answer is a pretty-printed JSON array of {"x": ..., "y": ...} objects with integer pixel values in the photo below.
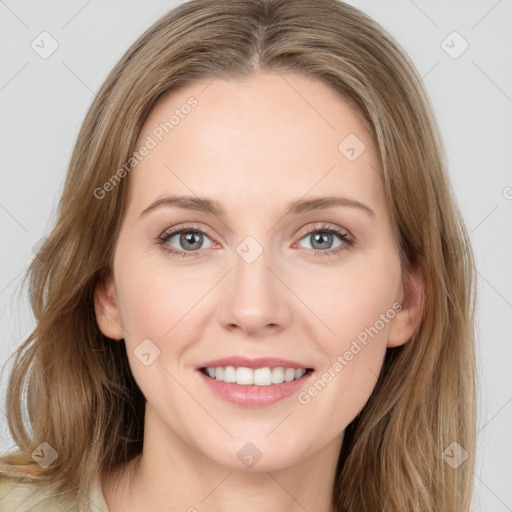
[{"x": 81, "y": 396}]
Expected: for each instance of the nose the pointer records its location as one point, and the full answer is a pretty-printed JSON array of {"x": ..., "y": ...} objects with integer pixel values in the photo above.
[{"x": 255, "y": 300}]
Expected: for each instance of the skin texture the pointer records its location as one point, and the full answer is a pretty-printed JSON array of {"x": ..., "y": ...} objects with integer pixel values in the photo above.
[{"x": 253, "y": 145}]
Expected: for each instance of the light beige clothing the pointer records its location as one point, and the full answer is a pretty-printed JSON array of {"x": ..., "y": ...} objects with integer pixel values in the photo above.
[{"x": 24, "y": 496}]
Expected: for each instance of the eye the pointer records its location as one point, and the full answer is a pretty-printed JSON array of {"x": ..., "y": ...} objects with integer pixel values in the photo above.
[
  {"x": 188, "y": 239},
  {"x": 322, "y": 239}
]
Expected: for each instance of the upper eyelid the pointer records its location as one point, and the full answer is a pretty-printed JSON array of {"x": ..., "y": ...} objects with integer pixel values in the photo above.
[
  {"x": 325, "y": 226},
  {"x": 171, "y": 232}
]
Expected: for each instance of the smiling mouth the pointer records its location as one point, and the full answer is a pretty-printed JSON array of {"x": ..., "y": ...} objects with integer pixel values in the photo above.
[{"x": 265, "y": 376}]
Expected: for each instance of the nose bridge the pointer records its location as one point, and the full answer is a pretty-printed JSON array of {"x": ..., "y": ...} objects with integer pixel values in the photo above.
[
  {"x": 251, "y": 267},
  {"x": 256, "y": 298}
]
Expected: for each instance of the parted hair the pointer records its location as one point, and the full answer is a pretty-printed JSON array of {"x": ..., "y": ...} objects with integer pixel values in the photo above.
[{"x": 71, "y": 387}]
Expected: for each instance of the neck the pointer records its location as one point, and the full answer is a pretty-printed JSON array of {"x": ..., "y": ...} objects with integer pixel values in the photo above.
[{"x": 173, "y": 476}]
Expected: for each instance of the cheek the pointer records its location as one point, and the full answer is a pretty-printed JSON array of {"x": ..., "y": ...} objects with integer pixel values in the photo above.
[
  {"x": 154, "y": 304},
  {"x": 358, "y": 314},
  {"x": 160, "y": 301},
  {"x": 353, "y": 298},
  {"x": 158, "y": 306}
]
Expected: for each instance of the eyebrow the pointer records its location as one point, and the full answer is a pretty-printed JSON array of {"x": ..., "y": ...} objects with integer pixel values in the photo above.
[{"x": 202, "y": 204}]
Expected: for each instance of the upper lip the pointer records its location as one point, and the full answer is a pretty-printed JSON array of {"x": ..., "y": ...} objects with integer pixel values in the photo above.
[{"x": 257, "y": 362}]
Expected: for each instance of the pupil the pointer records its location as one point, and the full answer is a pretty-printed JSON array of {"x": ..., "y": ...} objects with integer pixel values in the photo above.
[
  {"x": 189, "y": 237},
  {"x": 324, "y": 239}
]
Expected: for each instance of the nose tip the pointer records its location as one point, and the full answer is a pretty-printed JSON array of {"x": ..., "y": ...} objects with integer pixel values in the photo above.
[{"x": 255, "y": 299}]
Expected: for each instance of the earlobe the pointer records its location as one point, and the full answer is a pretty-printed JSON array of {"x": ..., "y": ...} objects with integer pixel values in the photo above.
[
  {"x": 405, "y": 322},
  {"x": 107, "y": 310}
]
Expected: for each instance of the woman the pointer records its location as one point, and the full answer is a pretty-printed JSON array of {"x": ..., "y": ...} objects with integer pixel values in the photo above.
[{"x": 251, "y": 370}]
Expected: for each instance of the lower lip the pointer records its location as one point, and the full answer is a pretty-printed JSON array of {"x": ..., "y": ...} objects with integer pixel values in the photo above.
[{"x": 255, "y": 396}]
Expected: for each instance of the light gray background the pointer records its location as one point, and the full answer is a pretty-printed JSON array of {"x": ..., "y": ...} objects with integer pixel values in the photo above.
[{"x": 43, "y": 102}]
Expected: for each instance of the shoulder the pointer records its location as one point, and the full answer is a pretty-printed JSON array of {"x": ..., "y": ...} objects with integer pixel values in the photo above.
[{"x": 20, "y": 495}]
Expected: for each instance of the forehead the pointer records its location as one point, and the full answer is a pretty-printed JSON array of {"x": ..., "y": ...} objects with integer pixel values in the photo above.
[{"x": 271, "y": 135}]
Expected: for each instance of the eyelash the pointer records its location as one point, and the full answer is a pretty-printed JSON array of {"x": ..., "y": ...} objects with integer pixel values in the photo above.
[{"x": 348, "y": 240}]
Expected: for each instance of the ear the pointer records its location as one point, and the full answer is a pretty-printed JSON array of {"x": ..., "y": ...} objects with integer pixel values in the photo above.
[
  {"x": 408, "y": 318},
  {"x": 107, "y": 309}
]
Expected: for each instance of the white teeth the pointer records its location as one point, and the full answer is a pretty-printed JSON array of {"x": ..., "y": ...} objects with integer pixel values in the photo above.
[
  {"x": 277, "y": 375},
  {"x": 243, "y": 375},
  {"x": 229, "y": 374},
  {"x": 263, "y": 377},
  {"x": 299, "y": 373},
  {"x": 259, "y": 377},
  {"x": 289, "y": 374}
]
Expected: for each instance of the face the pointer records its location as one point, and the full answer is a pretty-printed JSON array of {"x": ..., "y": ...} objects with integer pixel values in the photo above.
[{"x": 249, "y": 275}]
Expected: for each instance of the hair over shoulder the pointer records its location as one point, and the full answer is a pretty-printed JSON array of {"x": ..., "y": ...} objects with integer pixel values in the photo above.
[{"x": 76, "y": 385}]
